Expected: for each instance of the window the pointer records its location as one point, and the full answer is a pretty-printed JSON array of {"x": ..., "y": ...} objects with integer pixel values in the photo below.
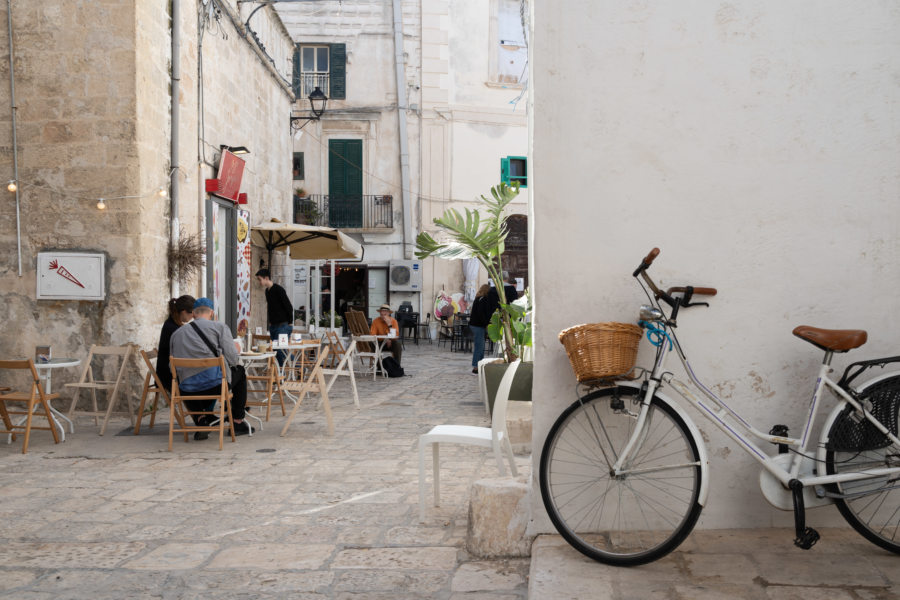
[
  {"x": 298, "y": 166},
  {"x": 514, "y": 168},
  {"x": 508, "y": 50},
  {"x": 322, "y": 67}
]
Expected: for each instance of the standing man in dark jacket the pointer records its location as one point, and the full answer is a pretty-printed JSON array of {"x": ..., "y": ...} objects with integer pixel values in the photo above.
[
  {"x": 280, "y": 311},
  {"x": 483, "y": 308}
]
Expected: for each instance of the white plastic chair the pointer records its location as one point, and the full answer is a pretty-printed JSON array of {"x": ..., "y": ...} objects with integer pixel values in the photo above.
[{"x": 495, "y": 437}]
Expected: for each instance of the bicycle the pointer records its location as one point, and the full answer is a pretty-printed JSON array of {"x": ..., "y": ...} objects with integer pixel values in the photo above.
[{"x": 624, "y": 472}]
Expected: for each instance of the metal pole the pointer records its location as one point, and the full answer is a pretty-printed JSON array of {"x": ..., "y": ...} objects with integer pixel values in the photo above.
[{"x": 13, "y": 108}]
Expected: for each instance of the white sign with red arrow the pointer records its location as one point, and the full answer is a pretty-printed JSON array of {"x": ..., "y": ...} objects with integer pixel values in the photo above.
[{"x": 71, "y": 276}]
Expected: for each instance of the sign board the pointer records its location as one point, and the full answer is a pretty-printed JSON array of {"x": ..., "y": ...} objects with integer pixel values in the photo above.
[
  {"x": 231, "y": 171},
  {"x": 71, "y": 276}
]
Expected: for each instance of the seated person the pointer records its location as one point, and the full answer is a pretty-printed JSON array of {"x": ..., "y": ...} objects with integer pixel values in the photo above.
[
  {"x": 382, "y": 325},
  {"x": 188, "y": 342},
  {"x": 180, "y": 310}
]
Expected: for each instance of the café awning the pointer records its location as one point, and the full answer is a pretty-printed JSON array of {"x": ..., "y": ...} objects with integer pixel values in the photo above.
[{"x": 305, "y": 242}]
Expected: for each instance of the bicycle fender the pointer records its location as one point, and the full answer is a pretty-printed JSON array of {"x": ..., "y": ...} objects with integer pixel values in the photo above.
[
  {"x": 698, "y": 439},
  {"x": 837, "y": 410}
]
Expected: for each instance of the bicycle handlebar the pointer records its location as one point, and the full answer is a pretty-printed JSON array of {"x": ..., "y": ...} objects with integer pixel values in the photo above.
[
  {"x": 703, "y": 291},
  {"x": 648, "y": 260}
]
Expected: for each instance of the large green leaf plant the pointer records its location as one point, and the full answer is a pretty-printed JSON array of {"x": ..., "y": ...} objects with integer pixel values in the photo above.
[{"x": 483, "y": 238}]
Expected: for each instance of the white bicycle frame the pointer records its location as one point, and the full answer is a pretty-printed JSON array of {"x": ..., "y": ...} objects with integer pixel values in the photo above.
[{"x": 742, "y": 432}]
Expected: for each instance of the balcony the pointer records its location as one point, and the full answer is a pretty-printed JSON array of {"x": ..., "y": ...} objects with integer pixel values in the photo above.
[
  {"x": 345, "y": 212},
  {"x": 311, "y": 81}
]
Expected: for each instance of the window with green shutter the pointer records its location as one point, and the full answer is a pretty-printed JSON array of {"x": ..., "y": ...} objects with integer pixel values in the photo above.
[
  {"x": 514, "y": 168},
  {"x": 324, "y": 67}
]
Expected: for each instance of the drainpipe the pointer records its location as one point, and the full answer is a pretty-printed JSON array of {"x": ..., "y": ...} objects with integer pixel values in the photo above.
[
  {"x": 174, "y": 231},
  {"x": 12, "y": 106},
  {"x": 402, "y": 107}
]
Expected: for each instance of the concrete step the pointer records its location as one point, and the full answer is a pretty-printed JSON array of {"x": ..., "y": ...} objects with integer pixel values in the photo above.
[{"x": 756, "y": 564}]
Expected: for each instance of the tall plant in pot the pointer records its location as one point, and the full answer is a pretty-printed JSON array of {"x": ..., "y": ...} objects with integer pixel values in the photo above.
[{"x": 483, "y": 238}]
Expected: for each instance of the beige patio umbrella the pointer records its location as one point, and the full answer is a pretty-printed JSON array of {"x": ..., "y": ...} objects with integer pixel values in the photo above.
[{"x": 305, "y": 242}]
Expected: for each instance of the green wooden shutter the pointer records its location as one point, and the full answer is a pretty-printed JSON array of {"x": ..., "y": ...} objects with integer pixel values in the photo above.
[
  {"x": 338, "y": 60},
  {"x": 345, "y": 183},
  {"x": 504, "y": 170},
  {"x": 296, "y": 81}
]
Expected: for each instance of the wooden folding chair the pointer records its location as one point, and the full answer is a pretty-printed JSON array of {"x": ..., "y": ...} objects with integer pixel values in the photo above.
[
  {"x": 315, "y": 383},
  {"x": 31, "y": 399},
  {"x": 359, "y": 328},
  {"x": 272, "y": 384},
  {"x": 221, "y": 408},
  {"x": 153, "y": 388},
  {"x": 88, "y": 381},
  {"x": 344, "y": 367},
  {"x": 336, "y": 347}
]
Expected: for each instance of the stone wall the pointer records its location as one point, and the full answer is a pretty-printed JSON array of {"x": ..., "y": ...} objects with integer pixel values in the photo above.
[{"x": 94, "y": 120}]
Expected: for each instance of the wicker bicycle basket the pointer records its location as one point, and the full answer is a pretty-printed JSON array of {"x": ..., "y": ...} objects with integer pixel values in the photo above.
[{"x": 601, "y": 350}]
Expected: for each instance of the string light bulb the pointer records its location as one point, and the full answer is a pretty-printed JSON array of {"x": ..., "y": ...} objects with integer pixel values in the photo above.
[
  {"x": 101, "y": 205},
  {"x": 11, "y": 186},
  {"x": 162, "y": 192}
]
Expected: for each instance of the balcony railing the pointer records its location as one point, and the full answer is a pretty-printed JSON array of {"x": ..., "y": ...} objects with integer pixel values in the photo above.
[
  {"x": 345, "y": 212},
  {"x": 311, "y": 81}
]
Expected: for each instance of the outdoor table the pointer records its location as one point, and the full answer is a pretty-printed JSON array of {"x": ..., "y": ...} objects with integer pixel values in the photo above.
[
  {"x": 45, "y": 370},
  {"x": 251, "y": 360},
  {"x": 379, "y": 342}
]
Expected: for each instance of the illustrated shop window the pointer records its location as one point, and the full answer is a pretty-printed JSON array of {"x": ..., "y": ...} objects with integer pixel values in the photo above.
[
  {"x": 514, "y": 168},
  {"x": 298, "y": 166},
  {"x": 322, "y": 67}
]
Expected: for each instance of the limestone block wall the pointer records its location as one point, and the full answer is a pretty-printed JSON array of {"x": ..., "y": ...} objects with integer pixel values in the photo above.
[{"x": 94, "y": 120}]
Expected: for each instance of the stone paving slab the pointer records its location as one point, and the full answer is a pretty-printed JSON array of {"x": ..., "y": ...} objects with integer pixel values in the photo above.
[{"x": 304, "y": 516}]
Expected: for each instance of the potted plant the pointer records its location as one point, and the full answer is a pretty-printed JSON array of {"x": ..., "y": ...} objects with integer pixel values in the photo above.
[{"x": 483, "y": 238}]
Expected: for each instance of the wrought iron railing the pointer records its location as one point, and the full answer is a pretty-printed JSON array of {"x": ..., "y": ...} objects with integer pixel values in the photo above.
[
  {"x": 311, "y": 81},
  {"x": 345, "y": 211}
]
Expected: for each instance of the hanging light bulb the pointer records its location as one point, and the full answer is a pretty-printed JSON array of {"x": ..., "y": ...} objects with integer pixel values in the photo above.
[
  {"x": 11, "y": 186},
  {"x": 162, "y": 192},
  {"x": 101, "y": 205}
]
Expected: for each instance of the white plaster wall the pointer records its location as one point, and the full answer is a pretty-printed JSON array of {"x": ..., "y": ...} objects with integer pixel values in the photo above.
[
  {"x": 757, "y": 145},
  {"x": 478, "y": 146}
]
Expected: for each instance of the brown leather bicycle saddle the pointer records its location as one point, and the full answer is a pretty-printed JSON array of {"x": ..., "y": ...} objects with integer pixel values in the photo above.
[{"x": 835, "y": 340}]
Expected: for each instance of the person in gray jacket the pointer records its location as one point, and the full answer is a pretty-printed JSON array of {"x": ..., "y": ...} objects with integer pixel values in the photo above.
[{"x": 187, "y": 342}]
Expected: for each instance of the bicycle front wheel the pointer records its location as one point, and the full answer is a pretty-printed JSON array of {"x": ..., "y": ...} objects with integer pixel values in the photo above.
[
  {"x": 870, "y": 506},
  {"x": 634, "y": 517}
]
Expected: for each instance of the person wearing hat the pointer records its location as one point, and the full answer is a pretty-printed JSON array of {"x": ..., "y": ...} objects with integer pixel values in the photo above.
[
  {"x": 382, "y": 325},
  {"x": 204, "y": 337}
]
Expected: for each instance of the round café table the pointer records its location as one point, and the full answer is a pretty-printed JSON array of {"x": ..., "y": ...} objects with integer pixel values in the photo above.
[{"x": 45, "y": 372}]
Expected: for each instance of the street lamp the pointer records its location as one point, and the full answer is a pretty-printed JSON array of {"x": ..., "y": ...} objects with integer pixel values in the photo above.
[{"x": 317, "y": 101}]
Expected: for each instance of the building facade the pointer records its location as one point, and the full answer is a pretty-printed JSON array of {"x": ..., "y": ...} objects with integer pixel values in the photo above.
[
  {"x": 406, "y": 134},
  {"x": 133, "y": 102}
]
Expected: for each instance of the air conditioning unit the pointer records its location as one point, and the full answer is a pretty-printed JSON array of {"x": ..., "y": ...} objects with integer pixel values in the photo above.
[{"x": 405, "y": 276}]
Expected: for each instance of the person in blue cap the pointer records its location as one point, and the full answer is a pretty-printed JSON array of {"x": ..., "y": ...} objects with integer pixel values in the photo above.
[{"x": 204, "y": 337}]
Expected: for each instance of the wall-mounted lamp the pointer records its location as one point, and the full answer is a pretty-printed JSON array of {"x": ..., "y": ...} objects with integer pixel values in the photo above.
[
  {"x": 101, "y": 205},
  {"x": 317, "y": 101},
  {"x": 234, "y": 149},
  {"x": 11, "y": 186}
]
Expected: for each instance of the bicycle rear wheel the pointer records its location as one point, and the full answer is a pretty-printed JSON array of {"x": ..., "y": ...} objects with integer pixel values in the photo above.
[
  {"x": 640, "y": 515},
  {"x": 870, "y": 506}
]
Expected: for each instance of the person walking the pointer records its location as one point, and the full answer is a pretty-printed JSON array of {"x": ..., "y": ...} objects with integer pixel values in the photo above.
[
  {"x": 204, "y": 337},
  {"x": 483, "y": 307},
  {"x": 279, "y": 310}
]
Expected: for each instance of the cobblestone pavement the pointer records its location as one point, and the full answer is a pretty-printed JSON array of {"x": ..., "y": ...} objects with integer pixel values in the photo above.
[{"x": 306, "y": 516}]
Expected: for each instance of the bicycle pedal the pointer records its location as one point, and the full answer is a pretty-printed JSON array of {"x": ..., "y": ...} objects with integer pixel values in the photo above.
[{"x": 807, "y": 539}]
